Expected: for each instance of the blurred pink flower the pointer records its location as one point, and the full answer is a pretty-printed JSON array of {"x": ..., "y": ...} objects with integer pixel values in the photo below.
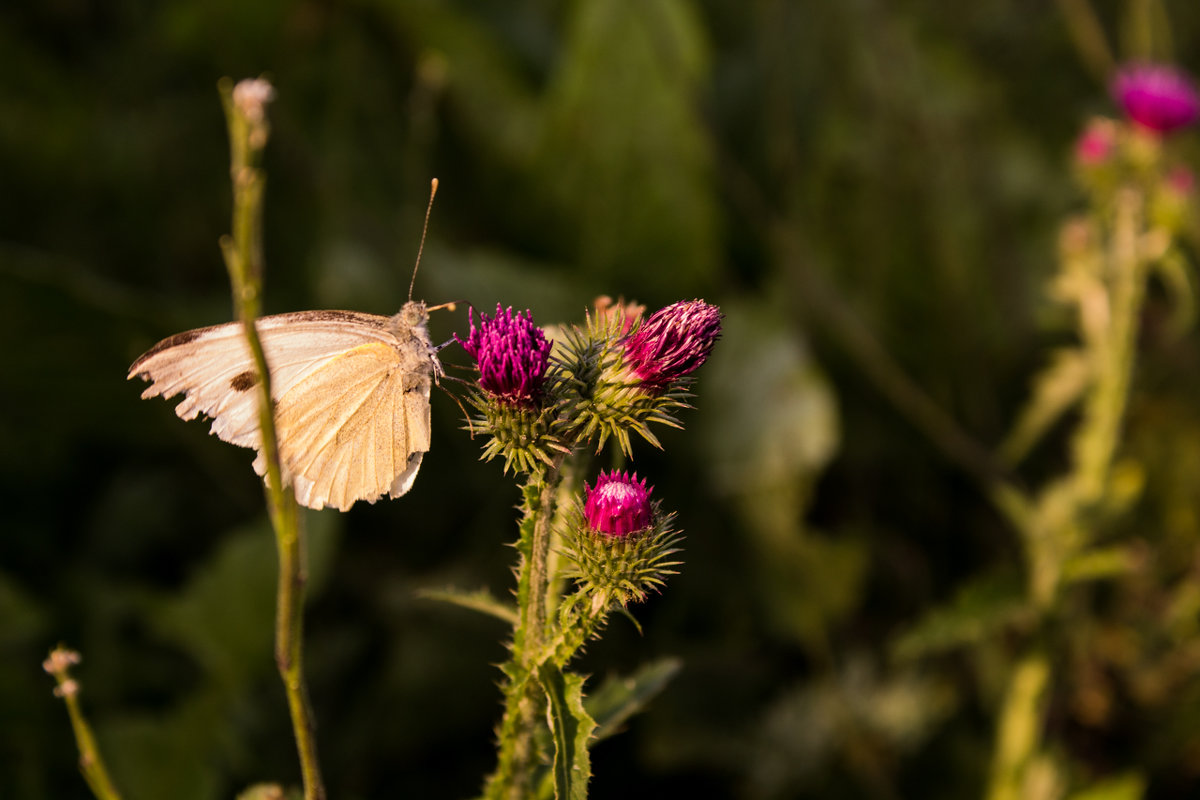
[{"x": 1156, "y": 96}]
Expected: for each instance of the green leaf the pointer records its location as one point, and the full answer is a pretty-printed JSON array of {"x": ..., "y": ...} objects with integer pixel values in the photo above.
[
  {"x": 479, "y": 600},
  {"x": 1097, "y": 564},
  {"x": 619, "y": 698},
  {"x": 572, "y": 728},
  {"x": 1130, "y": 786},
  {"x": 980, "y": 608},
  {"x": 1055, "y": 390}
]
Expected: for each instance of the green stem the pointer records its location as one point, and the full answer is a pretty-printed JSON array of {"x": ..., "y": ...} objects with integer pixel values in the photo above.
[
  {"x": 243, "y": 258},
  {"x": 90, "y": 763},
  {"x": 1018, "y": 738},
  {"x": 1057, "y": 528},
  {"x": 524, "y": 706}
]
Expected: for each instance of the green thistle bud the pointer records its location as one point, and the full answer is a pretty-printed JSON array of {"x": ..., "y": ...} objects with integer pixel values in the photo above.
[
  {"x": 618, "y": 544},
  {"x": 628, "y": 373}
]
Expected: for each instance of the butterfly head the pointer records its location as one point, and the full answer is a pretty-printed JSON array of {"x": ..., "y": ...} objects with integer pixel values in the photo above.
[{"x": 414, "y": 314}]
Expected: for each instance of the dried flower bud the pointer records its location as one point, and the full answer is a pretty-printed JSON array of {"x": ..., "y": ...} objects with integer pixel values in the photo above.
[
  {"x": 251, "y": 96},
  {"x": 618, "y": 505},
  {"x": 512, "y": 355},
  {"x": 618, "y": 311},
  {"x": 1157, "y": 96},
  {"x": 673, "y": 343}
]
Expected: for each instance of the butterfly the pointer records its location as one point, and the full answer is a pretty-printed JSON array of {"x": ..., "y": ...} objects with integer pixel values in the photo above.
[{"x": 351, "y": 395}]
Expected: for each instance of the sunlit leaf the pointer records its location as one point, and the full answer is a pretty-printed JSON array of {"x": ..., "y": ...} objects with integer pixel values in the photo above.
[
  {"x": 480, "y": 600},
  {"x": 571, "y": 728}
]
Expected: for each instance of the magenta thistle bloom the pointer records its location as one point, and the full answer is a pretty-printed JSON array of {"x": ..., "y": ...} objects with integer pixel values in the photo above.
[
  {"x": 512, "y": 355},
  {"x": 618, "y": 505},
  {"x": 673, "y": 342},
  {"x": 1157, "y": 96}
]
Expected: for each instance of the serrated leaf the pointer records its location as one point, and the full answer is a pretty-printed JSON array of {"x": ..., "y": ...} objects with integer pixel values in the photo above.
[
  {"x": 479, "y": 600},
  {"x": 980, "y": 608},
  {"x": 571, "y": 727},
  {"x": 1055, "y": 389},
  {"x": 619, "y": 698}
]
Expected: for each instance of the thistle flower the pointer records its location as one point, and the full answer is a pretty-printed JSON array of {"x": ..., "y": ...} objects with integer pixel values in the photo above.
[
  {"x": 1156, "y": 96},
  {"x": 618, "y": 505},
  {"x": 512, "y": 354},
  {"x": 672, "y": 343}
]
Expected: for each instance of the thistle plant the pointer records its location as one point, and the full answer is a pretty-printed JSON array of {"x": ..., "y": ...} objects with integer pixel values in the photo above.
[
  {"x": 585, "y": 551},
  {"x": 1139, "y": 201}
]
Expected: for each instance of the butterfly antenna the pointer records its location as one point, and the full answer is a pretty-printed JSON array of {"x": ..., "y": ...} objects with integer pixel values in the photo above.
[{"x": 425, "y": 229}]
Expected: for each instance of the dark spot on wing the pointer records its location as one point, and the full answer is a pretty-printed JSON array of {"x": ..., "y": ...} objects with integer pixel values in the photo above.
[{"x": 244, "y": 381}]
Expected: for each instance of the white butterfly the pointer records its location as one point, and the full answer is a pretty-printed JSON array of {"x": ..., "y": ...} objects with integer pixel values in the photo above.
[{"x": 351, "y": 395}]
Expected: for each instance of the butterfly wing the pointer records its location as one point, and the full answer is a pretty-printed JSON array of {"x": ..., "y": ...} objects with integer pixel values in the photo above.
[
  {"x": 329, "y": 369},
  {"x": 355, "y": 428}
]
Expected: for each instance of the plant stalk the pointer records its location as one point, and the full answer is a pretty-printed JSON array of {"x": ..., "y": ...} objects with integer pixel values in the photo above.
[
  {"x": 243, "y": 258},
  {"x": 524, "y": 707}
]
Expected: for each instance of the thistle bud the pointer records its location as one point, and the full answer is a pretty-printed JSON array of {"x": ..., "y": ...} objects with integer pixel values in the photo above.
[
  {"x": 626, "y": 376},
  {"x": 617, "y": 543},
  {"x": 672, "y": 343},
  {"x": 618, "y": 505}
]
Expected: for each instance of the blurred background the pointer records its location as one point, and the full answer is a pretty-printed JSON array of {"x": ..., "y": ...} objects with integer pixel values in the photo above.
[{"x": 870, "y": 190}]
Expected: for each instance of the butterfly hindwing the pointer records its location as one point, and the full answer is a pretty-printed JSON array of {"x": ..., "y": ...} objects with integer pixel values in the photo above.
[{"x": 346, "y": 427}]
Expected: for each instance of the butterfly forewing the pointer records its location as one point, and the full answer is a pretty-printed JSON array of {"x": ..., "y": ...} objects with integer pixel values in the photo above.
[{"x": 351, "y": 391}]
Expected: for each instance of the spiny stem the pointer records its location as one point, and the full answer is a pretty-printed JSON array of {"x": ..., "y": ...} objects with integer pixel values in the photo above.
[
  {"x": 90, "y": 762},
  {"x": 243, "y": 258},
  {"x": 524, "y": 701}
]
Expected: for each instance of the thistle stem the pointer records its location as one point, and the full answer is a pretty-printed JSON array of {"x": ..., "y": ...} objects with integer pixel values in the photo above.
[
  {"x": 243, "y": 258},
  {"x": 524, "y": 704},
  {"x": 1056, "y": 528}
]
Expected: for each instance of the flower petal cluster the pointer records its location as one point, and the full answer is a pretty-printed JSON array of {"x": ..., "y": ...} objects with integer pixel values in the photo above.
[
  {"x": 1157, "y": 96},
  {"x": 512, "y": 355},
  {"x": 673, "y": 343},
  {"x": 618, "y": 505}
]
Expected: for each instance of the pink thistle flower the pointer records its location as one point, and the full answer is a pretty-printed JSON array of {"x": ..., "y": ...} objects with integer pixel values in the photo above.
[
  {"x": 512, "y": 355},
  {"x": 674, "y": 342},
  {"x": 1157, "y": 96},
  {"x": 618, "y": 505}
]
